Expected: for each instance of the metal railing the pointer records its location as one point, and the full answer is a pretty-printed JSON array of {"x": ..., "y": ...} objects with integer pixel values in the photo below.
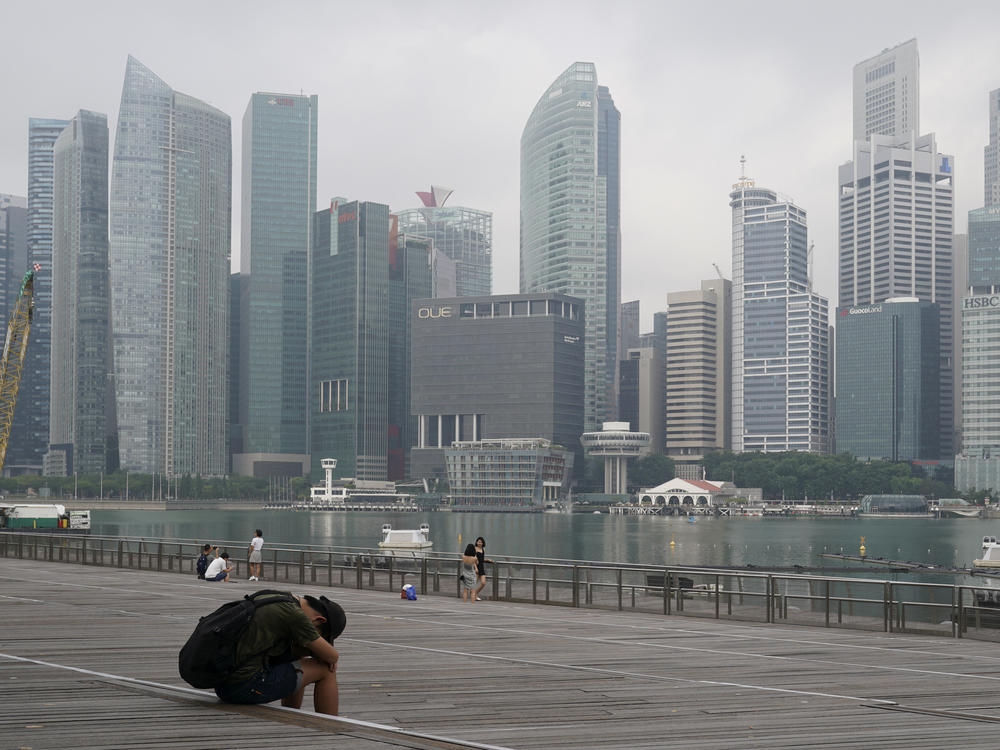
[{"x": 859, "y": 603}]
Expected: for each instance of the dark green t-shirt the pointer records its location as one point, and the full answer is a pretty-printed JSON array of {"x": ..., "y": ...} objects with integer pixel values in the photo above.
[{"x": 273, "y": 632}]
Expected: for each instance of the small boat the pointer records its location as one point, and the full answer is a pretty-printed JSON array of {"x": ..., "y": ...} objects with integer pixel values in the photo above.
[
  {"x": 991, "y": 554},
  {"x": 405, "y": 539}
]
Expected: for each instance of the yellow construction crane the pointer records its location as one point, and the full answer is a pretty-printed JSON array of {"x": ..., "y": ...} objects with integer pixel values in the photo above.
[{"x": 12, "y": 364}]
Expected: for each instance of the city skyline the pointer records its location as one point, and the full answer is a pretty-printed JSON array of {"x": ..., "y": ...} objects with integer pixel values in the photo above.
[{"x": 671, "y": 70}]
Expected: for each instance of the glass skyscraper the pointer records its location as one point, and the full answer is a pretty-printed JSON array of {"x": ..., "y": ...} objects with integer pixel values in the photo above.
[
  {"x": 781, "y": 339},
  {"x": 29, "y": 437},
  {"x": 887, "y": 93},
  {"x": 278, "y": 199},
  {"x": 570, "y": 188},
  {"x": 171, "y": 187},
  {"x": 13, "y": 250},
  {"x": 887, "y": 380},
  {"x": 463, "y": 234},
  {"x": 81, "y": 313}
]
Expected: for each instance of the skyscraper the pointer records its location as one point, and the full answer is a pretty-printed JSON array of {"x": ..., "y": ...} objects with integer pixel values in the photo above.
[
  {"x": 781, "y": 344},
  {"x": 171, "y": 187},
  {"x": 887, "y": 93},
  {"x": 896, "y": 228},
  {"x": 992, "y": 152},
  {"x": 278, "y": 199},
  {"x": 81, "y": 312},
  {"x": 570, "y": 236},
  {"x": 13, "y": 250},
  {"x": 887, "y": 380},
  {"x": 29, "y": 435},
  {"x": 463, "y": 234},
  {"x": 698, "y": 371},
  {"x": 365, "y": 274}
]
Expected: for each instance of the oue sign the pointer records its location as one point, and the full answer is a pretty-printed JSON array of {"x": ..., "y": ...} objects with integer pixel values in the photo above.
[{"x": 433, "y": 312}]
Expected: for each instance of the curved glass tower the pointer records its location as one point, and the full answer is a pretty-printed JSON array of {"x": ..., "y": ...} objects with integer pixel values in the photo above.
[
  {"x": 570, "y": 188},
  {"x": 171, "y": 186}
]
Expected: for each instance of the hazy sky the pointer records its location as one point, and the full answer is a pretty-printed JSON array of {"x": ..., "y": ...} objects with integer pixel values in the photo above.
[{"x": 415, "y": 93}]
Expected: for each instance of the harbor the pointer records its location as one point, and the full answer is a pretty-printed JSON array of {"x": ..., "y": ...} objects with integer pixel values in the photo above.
[{"x": 101, "y": 672}]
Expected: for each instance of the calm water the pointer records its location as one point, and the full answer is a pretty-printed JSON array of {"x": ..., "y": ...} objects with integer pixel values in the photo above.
[{"x": 629, "y": 539}]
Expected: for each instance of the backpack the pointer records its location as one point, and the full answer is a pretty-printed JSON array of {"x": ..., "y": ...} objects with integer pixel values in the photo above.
[
  {"x": 202, "y": 565},
  {"x": 209, "y": 656}
]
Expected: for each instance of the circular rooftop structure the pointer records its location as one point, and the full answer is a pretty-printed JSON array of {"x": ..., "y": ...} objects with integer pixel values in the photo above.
[{"x": 615, "y": 439}]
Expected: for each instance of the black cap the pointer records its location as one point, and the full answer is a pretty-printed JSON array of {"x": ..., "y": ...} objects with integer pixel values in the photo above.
[{"x": 336, "y": 619}]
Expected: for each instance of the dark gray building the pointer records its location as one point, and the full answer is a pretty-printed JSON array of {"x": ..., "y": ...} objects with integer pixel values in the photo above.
[
  {"x": 504, "y": 366},
  {"x": 887, "y": 380}
]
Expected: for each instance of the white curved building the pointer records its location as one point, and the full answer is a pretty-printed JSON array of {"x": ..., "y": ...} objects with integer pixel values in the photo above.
[{"x": 617, "y": 444}]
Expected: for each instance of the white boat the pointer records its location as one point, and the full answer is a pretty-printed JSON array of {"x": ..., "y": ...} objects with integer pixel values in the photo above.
[
  {"x": 406, "y": 539},
  {"x": 991, "y": 554}
]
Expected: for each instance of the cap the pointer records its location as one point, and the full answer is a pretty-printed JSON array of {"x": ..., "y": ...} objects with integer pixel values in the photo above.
[{"x": 336, "y": 619}]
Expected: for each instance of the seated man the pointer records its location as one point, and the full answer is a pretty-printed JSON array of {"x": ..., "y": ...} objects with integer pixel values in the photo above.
[
  {"x": 271, "y": 655},
  {"x": 219, "y": 568}
]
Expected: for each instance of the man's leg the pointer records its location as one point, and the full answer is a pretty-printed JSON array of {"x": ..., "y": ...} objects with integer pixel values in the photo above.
[{"x": 326, "y": 695}]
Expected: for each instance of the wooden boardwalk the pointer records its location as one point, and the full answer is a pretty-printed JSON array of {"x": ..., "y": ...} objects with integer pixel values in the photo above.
[{"x": 88, "y": 660}]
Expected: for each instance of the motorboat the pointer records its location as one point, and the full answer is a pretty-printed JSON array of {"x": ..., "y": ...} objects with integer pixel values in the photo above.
[
  {"x": 991, "y": 554},
  {"x": 405, "y": 539}
]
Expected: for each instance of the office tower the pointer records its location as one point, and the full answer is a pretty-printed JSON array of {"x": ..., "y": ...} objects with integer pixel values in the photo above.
[
  {"x": 991, "y": 152},
  {"x": 171, "y": 183},
  {"x": 887, "y": 94},
  {"x": 978, "y": 465},
  {"x": 364, "y": 276},
  {"x": 29, "y": 435},
  {"x": 13, "y": 251},
  {"x": 81, "y": 302},
  {"x": 278, "y": 202},
  {"x": 628, "y": 337},
  {"x": 235, "y": 427},
  {"x": 887, "y": 380},
  {"x": 698, "y": 371},
  {"x": 570, "y": 237},
  {"x": 409, "y": 279},
  {"x": 640, "y": 399},
  {"x": 508, "y": 366},
  {"x": 959, "y": 287},
  {"x": 781, "y": 346},
  {"x": 896, "y": 210},
  {"x": 465, "y": 235}
]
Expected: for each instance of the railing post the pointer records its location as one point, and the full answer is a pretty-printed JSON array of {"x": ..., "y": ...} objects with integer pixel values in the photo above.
[
  {"x": 666, "y": 591},
  {"x": 121, "y": 546},
  {"x": 717, "y": 594},
  {"x": 159, "y": 557},
  {"x": 84, "y": 550},
  {"x": 329, "y": 569},
  {"x": 361, "y": 572},
  {"x": 302, "y": 566},
  {"x": 496, "y": 581},
  {"x": 392, "y": 567},
  {"x": 827, "y": 598},
  {"x": 619, "y": 589},
  {"x": 886, "y": 611},
  {"x": 576, "y": 586},
  {"x": 770, "y": 598},
  {"x": 534, "y": 584},
  {"x": 423, "y": 576}
]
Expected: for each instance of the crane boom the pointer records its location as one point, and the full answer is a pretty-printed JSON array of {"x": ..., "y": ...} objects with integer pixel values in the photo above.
[{"x": 14, "y": 348}]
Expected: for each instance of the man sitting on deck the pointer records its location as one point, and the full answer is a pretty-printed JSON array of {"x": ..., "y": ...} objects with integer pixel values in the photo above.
[{"x": 271, "y": 655}]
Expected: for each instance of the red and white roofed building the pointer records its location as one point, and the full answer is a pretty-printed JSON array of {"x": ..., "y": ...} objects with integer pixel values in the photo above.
[{"x": 684, "y": 493}]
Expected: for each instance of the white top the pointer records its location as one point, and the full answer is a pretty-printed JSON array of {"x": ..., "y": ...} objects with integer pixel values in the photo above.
[
  {"x": 256, "y": 543},
  {"x": 215, "y": 567}
]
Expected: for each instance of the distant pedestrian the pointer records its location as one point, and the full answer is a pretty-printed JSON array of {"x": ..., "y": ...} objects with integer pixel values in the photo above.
[
  {"x": 204, "y": 559},
  {"x": 481, "y": 560},
  {"x": 219, "y": 569},
  {"x": 469, "y": 577},
  {"x": 255, "y": 557}
]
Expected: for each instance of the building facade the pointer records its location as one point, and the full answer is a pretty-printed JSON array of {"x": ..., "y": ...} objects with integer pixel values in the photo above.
[
  {"x": 278, "y": 203},
  {"x": 896, "y": 208},
  {"x": 170, "y": 207},
  {"x": 781, "y": 340},
  {"x": 570, "y": 233},
  {"x": 365, "y": 276},
  {"x": 13, "y": 250},
  {"x": 500, "y": 367},
  {"x": 81, "y": 403},
  {"x": 887, "y": 380},
  {"x": 29, "y": 435},
  {"x": 464, "y": 235},
  {"x": 699, "y": 371},
  {"x": 507, "y": 474},
  {"x": 991, "y": 152},
  {"x": 640, "y": 401},
  {"x": 887, "y": 93}
]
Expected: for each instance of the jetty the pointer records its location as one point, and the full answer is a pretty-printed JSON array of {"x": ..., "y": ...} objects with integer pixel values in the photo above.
[{"x": 88, "y": 659}]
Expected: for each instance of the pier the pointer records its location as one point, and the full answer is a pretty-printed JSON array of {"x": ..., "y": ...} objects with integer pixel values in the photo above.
[{"x": 88, "y": 659}]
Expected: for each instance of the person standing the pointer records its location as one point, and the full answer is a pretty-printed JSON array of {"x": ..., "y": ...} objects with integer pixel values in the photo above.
[
  {"x": 256, "y": 544},
  {"x": 469, "y": 577},
  {"x": 481, "y": 560}
]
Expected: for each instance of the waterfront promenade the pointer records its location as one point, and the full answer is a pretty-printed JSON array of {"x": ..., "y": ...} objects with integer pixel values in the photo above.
[{"x": 88, "y": 660}]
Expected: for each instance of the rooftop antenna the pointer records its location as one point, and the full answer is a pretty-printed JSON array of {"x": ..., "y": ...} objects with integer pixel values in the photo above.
[{"x": 743, "y": 166}]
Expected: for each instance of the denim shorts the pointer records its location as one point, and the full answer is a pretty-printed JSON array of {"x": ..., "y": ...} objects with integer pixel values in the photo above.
[{"x": 268, "y": 685}]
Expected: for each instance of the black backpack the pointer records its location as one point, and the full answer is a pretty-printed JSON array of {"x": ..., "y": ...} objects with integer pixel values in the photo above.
[
  {"x": 202, "y": 565},
  {"x": 209, "y": 656}
]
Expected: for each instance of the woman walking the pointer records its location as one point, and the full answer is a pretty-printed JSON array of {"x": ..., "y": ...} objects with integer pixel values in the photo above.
[
  {"x": 255, "y": 557},
  {"x": 469, "y": 576},
  {"x": 481, "y": 560}
]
